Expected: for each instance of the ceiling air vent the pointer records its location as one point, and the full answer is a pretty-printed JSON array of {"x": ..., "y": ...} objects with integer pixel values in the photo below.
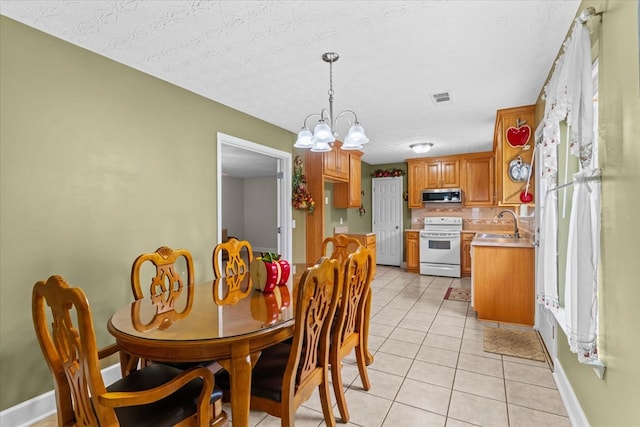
[{"x": 440, "y": 98}]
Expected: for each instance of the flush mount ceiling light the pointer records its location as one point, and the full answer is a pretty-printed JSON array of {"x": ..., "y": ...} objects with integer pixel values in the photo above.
[
  {"x": 325, "y": 133},
  {"x": 421, "y": 147}
]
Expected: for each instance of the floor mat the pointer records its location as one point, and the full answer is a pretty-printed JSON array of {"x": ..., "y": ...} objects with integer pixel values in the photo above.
[
  {"x": 513, "y": 342},
  {"x": 458, "y": 294}
]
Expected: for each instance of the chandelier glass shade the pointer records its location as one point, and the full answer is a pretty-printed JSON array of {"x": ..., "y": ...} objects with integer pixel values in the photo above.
[{"x": 324, "y": 134}]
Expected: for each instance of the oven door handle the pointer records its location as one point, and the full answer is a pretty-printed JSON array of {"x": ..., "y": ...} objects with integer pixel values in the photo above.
[{"x": 446, "y": 236}]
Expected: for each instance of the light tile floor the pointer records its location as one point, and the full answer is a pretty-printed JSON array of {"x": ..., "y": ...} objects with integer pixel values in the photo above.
[{"x": 430, "y": 368}]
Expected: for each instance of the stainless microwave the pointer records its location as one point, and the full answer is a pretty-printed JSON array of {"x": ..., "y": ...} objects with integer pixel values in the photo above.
[{"x": 442, "y": 195}]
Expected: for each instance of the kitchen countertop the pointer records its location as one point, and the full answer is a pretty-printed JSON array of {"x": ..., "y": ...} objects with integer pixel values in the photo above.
[{"x": 505, "y": 242}]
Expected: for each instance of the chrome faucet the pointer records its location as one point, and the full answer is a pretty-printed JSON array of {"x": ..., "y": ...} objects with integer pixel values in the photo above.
[{"x": 516, "y": 233}]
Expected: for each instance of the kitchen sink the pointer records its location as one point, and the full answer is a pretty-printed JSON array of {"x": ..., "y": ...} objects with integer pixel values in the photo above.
[{"x": 494, "y": 236}]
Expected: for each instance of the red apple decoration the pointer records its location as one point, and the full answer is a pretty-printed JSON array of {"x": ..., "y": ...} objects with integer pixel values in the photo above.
[
  {"x": 526, "y": 197},
  {"x": 518, "y": 136},
  {"x": 268, "y": 271}
]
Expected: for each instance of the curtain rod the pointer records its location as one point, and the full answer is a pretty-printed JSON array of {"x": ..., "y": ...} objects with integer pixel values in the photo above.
[{"x": 568, "y": 184}]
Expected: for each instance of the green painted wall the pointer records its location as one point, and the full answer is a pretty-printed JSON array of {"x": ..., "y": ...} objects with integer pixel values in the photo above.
[
  {"x": 98, "y": 163},
  {"x": 614, "y": 401}
]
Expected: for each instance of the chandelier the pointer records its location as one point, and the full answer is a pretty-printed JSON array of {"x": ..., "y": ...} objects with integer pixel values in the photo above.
[{"x": 324, "y": 133}]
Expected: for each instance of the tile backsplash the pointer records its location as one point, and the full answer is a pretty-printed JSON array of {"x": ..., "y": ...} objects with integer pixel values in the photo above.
[{"x": 476, "y": 218}]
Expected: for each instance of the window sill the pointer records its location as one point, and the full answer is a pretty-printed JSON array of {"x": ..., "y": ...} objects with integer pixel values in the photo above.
[{"x": 598, "y": 366}]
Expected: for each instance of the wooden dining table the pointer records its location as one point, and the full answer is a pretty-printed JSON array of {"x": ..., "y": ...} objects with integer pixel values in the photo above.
[{"x": 227, "y": 320}]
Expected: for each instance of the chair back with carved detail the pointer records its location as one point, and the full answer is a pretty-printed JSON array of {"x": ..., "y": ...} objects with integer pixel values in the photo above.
[
  {"x": 349, "y": 327},
  {"x": 164, "y": 270},
  {"x": 238, "y": 257},
  {"x": 287, "y": 374},
  {"x": 339, "y": 247},
  {"x": 167, "y": 282},
  {"x": 147, "y": 397},
  {"x": 70, "y": 350}
]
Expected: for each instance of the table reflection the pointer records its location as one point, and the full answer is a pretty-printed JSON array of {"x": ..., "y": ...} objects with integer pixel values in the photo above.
[
  {"x": 231, "y": 289},
  {"x": 164, "y": 304},
  {"x": 267, "y": 307}
]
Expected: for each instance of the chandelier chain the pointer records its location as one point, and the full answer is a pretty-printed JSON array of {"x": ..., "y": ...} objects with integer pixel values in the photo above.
[
  {"x": 325, "y": 133},
  {"x": 330, "y": 92}
]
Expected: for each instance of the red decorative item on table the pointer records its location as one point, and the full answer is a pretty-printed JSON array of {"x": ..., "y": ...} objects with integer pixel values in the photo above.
[{"x": 268, "y": 271}]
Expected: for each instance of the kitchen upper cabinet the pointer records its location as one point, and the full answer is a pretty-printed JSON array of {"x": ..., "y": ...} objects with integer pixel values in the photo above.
[
  {"x": 513, "y": 143},
  {"x": 416, "y": 182},
  {"x": 412, "y": 244},
  {"x": 335, "y": 163},
  {"x": 349, "y": 194},
  {"x": 477, "y": 177},
  {"x": 330, "y": 167},
  {"x": 442, "y": 173}
]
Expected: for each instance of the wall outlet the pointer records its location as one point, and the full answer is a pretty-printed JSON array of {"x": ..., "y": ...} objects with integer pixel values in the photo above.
[{"x": 293, "y": 223}]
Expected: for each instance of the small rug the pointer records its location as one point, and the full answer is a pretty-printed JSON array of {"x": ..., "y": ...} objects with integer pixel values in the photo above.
[
  {"x": 513, "y": 342},
  {"x": 458, "y": 294}
]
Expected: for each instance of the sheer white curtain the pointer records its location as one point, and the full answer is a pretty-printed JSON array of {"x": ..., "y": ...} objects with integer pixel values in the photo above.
[
  {"x": 583, "y": 250},
  {"x": 569, "y": 96}
]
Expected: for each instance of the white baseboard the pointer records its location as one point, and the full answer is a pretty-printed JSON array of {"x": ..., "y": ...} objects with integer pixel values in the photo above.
[
  {"x": 40, "y": 407},
  {"x": 571, "y": 403}
]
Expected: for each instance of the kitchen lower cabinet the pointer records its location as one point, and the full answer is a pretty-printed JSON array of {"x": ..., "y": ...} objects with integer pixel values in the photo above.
[
  {"x": 465, "y": 253},
  {"x": 412, "y": 244},
  {"x": 367, "y": 240},
  {"x": 503, "y": 284}
]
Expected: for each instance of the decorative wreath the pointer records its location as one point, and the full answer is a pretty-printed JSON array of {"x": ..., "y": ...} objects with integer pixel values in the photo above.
[
  {"x": 386, "y": 173},
  {"x": 301, "y": 198}
]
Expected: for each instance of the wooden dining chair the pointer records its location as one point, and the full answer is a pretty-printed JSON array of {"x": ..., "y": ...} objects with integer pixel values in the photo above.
[
  {"x": 339, "y": 247},
  {"x": 287, "y": 373},
  {"x": 165, "y": 286},
  {"x": 167, "y": 283},
  {"x": 233, "y": 256},
  {"x": 154, "y": 396},
  {"x": 348, "y": 331}
]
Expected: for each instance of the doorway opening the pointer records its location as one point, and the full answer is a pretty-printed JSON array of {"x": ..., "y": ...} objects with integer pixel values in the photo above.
[{"x": 254, "y": 194}]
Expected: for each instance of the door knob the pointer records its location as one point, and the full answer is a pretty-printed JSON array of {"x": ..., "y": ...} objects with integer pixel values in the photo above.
[{"x": 397, "y": 227}]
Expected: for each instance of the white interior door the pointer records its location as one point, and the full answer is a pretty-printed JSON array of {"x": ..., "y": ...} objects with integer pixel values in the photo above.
[{"x": 387, "y": 219}]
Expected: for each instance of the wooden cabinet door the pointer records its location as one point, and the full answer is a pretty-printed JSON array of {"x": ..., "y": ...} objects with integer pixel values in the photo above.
[
  {"x": 348, "y": 194},
  {"x": 413, "y": 251},
  {"x": 343, "y": 164},
  {"x": 503, "y": 284},
  {"x": 335, "y": 163},
  {"x": 416, "y": 182},
  {"x": 442, "y": 174},
  {"x": 432, "y": 174},
  {"x": 465, "y": 255},
  {"x": 478, "y": 181},
  {"x": 507, "y": 156},
  {"x": 355, "y": 180},
  {"x": 450, "y": 174},
  {"x": 329, "y": 162}
]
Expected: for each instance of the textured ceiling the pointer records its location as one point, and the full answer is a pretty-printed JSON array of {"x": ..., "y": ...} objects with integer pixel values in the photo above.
[{"x": 264, "y": 58}]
